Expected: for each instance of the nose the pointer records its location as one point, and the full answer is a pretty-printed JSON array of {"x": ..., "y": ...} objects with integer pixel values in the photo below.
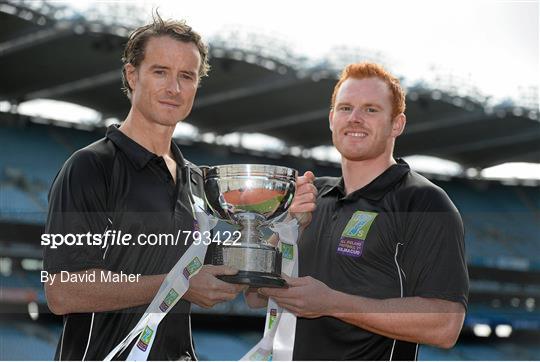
[
  {"x": 356, "y": 116},
  {"x": 173, "y": 86}
]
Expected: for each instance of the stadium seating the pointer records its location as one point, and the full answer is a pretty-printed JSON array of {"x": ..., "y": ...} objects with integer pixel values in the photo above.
[
  {"x": 30, "y": 159},
  {"x": 500, "y": 221},
  {"x": 25, "y": 342},
  {"x": 16, "y": 205},
  {"x": 501, "y": 227}
]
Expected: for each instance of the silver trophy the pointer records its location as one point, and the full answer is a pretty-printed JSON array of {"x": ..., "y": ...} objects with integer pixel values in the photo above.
[{"x": 251, "y": 197}]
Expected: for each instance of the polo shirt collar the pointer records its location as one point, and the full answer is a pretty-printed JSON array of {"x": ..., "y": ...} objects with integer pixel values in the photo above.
[
  {"x": 377, "y": 188},
  {"x": 137, "y": 154}
]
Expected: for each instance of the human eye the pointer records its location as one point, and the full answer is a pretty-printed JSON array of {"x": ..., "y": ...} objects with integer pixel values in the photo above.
[
  {"x": 159, "y": 72},
  {"x": 344, "y": 108},
  {"x": 371, "y": 110},
  {"x": 187, "y": 76}
]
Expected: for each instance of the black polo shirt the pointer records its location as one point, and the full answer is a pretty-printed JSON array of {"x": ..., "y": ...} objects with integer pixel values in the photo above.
[
  {"x": 117, "y": 184},
  {"x": 399, "y": 236}
]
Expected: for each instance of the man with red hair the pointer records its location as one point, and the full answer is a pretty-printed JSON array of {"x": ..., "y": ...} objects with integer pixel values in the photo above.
[{"x": 382, "y": 265}]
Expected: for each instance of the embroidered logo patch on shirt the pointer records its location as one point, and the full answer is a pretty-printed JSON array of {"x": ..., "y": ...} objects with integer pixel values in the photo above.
[{"x": 355, "y": 233}]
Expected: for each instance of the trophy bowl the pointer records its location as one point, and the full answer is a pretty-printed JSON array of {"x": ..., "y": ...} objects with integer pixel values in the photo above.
[{"x": 250, "y": 197}]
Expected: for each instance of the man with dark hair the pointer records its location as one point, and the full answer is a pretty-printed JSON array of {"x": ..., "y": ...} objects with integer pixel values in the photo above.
[
  {"x": 382, "y": 265},
  {"x": 135, "y": 181},
  {"x": 178, "y": 30}
]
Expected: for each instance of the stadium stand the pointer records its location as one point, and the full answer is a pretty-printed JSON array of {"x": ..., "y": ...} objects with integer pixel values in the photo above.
[
  {"x": 501, "y": 223},
  {"x": 27, "y": 341}
]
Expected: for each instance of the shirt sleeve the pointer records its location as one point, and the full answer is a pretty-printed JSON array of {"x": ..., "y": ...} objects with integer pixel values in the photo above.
[
  {"x": 433, "y": 259},
  {"x": 77, "y": 206}
]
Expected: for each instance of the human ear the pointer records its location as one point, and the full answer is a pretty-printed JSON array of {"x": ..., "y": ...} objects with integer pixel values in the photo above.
[
  {"x": 398, "y": 125},
  {"x": 131, "y": 75}
]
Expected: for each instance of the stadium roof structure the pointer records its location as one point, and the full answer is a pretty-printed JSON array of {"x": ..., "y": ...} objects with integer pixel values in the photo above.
[{"x": 252, "y": 88}]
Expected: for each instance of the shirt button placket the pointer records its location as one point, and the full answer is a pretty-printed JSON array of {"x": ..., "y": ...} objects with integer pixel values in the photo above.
[{"x": 335, "y": 215}]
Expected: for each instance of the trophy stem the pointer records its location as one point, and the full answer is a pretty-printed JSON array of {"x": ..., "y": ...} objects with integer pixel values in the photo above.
[{"x": 250, "y": 228}]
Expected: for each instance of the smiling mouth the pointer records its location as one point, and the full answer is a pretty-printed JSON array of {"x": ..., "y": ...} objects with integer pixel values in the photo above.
[{"x": 356, "y": 134}]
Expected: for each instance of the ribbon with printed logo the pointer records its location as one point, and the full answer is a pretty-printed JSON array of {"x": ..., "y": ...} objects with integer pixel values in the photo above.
[
  {"x": 280, "y": 327},
  {"x": 172, "y": 289}
]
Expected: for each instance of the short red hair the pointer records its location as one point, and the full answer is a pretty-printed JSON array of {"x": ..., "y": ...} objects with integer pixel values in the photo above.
[{"x": 372, "y": 70}]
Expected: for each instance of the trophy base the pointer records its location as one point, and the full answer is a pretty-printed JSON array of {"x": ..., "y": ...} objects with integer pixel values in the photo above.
[
  {"x": 258, "y": 265},
  {"x": 255, "y": 279}
]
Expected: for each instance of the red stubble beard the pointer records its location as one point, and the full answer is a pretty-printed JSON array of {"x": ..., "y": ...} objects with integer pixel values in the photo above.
[{"x": 355, "y": 148}]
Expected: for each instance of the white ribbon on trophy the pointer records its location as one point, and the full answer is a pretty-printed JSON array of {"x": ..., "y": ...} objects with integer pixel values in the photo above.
[
  {"x": 280, "y": 327},
  {"x": 172, "y": 289}
]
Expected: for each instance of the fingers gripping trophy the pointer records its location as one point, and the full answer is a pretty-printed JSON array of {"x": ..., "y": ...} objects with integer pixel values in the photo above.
[{"x": 250, "y": 197}]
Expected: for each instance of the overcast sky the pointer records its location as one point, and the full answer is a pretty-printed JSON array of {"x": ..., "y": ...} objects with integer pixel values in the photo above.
[{"x": 492, "y": 44}]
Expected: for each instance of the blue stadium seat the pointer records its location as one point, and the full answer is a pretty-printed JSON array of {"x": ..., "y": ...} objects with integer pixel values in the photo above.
[{"x": 19, "y": 343}]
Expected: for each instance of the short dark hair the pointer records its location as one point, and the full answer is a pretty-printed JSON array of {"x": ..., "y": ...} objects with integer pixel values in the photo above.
[{"x": 176, "y": 29}]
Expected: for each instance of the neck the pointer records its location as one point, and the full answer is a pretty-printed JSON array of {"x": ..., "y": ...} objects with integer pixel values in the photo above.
[
  {"x": 154, "y": 137},
  {"x": 357, "y": 174}
]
